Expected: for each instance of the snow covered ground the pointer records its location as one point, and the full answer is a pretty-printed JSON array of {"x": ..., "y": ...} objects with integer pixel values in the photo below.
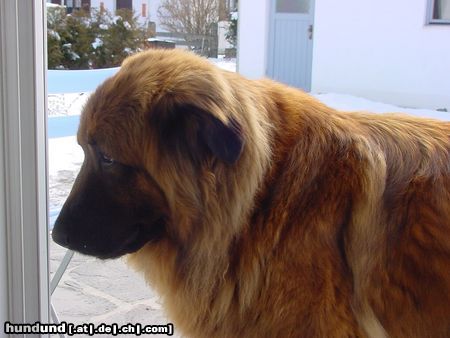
[{"x": 353, "y": 103}]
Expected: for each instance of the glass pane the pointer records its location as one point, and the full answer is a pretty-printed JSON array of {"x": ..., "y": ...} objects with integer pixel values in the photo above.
[
  {"x": 441, "y": 10},
  {"x": 293, "y": 6}
]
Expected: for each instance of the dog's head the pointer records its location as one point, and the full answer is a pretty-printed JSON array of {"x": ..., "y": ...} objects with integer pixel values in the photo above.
[{"x": 151, "y": 134}]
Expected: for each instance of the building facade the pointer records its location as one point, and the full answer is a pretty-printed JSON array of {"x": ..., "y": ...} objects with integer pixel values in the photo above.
[{"x": 396, "y": 52}]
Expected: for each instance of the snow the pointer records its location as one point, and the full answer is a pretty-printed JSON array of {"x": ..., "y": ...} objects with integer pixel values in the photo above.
[
  {"x": 127, "y": 25},
  {"x": 226, "y": 64},
  {"x": 54, "y": 5},
  {"x": 73, "y": 56},
  {"x": 68, "y": 104},
  {"x": 97, "y": 43},
  {"x": 54, "y": 34},
  {"x": 353, "y": 103},
  {"x": 65, "y": 157},
  {"x": 65, "y": 154}
]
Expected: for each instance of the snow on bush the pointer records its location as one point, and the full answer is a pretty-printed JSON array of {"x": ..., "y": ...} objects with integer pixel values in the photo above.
[
  {"x": 94, "y": 39},
  {"x": 97, "y": 43}
]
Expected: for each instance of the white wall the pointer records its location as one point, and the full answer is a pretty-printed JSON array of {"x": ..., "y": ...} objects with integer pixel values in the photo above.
[
  {"x": 253, "y": 25},
  {"x": 137, "y": 7},
  {"x": 153, "y": 15},
  {"x": 381, "y": 50},
  {"x": 110, "y": 5}
]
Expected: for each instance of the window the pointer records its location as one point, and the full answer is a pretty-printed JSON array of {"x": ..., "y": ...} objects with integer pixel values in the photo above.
[
  {"x": 438, "y": 12},
  {"x": 292, "y": 6},
  {"x": 73, "y": 3},
  {"x": 127, "y": 4},
  {"x": 144, "y": 10},
  {"x": 86, "y": 5}
]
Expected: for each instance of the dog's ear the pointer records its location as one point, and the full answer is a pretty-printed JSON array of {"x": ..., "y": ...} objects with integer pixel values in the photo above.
[
  {"x": 224, "y": 141},
  {"x": 189, "y": 128}
]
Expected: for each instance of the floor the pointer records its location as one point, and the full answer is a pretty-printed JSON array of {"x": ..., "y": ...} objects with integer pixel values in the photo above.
[{"x": 95, "y": 291}]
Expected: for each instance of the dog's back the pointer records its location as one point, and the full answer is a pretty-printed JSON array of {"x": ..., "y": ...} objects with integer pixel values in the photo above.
[
  {"x": 367, "y": 205},
  {"x": 406, "y": 274}
]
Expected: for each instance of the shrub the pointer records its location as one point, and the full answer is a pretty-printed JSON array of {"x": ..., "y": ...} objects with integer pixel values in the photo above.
[
  {"x": 95, "y": 39},
  {"x": 231, "y": 35}
]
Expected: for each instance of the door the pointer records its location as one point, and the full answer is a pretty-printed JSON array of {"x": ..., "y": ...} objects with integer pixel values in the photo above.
[
  {"x": 290, "y": 46},
  {"x": 127, "y": 4}
]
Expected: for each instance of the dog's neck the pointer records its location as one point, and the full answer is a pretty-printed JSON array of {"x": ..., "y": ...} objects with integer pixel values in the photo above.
[{"x": 203, "y": 256}]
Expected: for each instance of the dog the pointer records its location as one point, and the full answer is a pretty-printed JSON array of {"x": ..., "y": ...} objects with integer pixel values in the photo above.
[{"x": 257, "y": 211}]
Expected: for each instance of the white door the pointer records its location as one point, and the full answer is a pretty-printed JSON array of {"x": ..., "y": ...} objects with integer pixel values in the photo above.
[{"x": 290, "y": 47}]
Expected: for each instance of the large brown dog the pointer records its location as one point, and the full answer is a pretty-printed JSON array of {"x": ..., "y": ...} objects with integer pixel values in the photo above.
[{"x": 257, "y": 211}]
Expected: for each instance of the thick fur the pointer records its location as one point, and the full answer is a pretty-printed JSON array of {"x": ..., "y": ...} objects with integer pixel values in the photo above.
[{"x": 328, "y": 224}]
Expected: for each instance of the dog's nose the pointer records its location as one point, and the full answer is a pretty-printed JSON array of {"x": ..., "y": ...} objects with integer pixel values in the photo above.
[{"x": 60, "y": 237}]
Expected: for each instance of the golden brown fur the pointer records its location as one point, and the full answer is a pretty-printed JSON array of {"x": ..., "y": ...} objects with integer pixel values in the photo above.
[{"x": 330, "y": 224}]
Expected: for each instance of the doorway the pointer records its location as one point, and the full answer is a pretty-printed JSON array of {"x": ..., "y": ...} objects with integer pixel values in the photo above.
[{"x": 291, "y": 42}]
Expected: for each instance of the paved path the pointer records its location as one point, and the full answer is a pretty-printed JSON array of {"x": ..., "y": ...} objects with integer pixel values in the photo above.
[{"x": 96, "y": 291}]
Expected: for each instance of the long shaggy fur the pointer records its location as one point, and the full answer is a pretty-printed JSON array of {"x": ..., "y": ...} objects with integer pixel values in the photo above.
[{"x": 330, "y": 224}]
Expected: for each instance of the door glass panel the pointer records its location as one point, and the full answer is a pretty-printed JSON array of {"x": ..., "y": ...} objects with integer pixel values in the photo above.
[
  {"x": 441, "y": 10},
  {"x": 293, "y": 6}
]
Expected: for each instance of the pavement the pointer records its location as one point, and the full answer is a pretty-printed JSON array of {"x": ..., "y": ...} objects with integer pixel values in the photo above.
[{"x": 104, "y": 291}]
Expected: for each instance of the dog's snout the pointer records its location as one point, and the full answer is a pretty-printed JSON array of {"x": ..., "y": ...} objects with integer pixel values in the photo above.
[{"x": 60, "y": 237}]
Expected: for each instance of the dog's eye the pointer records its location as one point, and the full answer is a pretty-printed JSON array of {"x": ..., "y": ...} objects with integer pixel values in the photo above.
[{"x": 106, "y": 160}]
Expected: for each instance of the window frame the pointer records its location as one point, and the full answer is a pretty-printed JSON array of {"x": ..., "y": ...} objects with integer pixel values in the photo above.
[
  {"x": 429, "y": 17},
  {"x": 23, "y": 180}
]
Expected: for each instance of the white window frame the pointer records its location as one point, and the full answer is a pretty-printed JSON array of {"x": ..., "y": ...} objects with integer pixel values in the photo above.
[
  {"x": 430, "y": 10},
  {"x": 24, "y": 272}
]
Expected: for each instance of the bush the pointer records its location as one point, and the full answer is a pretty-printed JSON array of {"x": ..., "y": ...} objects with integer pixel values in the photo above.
[
  {"x": 85, "y": 40},
  {"x": 231, "y": 35}
]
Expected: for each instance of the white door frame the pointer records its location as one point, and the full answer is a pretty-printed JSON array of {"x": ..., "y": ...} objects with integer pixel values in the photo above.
[{"x": 24, "y": 287}]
